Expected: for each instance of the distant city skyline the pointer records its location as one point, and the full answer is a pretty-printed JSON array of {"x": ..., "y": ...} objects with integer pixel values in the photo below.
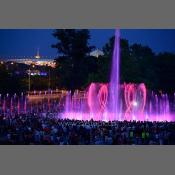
[{"x": 25, "y": 42}]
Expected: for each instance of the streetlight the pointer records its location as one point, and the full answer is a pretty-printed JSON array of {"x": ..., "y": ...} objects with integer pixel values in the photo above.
[
  {"x": 49, "y": 80},
  {"x": 29, "y": 79}
]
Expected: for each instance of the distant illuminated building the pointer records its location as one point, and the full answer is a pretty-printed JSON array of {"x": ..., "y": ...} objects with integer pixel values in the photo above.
[
  {"x": 96, "y": 53},
  {"x": 37, "y": 55},
  {"x": 36, "y": 60}
]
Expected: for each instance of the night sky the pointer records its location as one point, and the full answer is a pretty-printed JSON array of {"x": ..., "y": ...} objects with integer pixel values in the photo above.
[{"x": 24, "y": 42}]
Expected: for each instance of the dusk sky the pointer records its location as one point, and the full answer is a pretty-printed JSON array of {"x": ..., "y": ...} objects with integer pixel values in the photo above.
[{"x": 24, "y": 42}]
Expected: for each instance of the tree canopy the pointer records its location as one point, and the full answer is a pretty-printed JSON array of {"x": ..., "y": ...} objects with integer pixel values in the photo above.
[{"x": 73, "y": 49}]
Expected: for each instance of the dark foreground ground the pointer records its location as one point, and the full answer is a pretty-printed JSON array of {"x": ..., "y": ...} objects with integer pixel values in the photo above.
[{"x": 33, "y": 129}]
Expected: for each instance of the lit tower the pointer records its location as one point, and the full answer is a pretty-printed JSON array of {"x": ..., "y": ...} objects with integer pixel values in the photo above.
[
  {"x": 96, "y": 53},
  {"x": 37, "y": 56}
]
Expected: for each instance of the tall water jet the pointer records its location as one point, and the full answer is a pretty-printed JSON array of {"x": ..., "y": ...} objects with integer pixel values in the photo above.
[{"x": 115, "y": 78}]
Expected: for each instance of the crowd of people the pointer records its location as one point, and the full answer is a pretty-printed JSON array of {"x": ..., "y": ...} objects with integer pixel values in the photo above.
[{"x": 32, "y": 128}]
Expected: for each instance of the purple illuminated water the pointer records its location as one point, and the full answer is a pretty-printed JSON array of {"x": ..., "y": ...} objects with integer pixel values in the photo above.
[
  {"x": 115, "y": 78},
  {"x": 135, "y": 104}
]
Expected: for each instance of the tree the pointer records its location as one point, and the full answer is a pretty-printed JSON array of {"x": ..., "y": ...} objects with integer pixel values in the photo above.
[
  {"x": 73, "y": 50},
  {"x": 9, "y": 83},
  {"x": 145, "y": 60},
  {"x": 101, "y": 71},
  {"x": 165, "y": 71}
]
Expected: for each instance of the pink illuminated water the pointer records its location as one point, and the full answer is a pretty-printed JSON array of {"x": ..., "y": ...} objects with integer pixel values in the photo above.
[{"x": 135, "y": 104}]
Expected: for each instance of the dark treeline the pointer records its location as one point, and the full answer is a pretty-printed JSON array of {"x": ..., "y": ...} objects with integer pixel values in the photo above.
[
  {"x": 76, "y": 69},
  {"x": 8, "y": 82}
]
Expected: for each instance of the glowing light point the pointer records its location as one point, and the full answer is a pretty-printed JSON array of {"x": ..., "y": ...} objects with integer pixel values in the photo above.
[
  {"x": 135, "y": 103},
  {"x": 38, "y": 55}
]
